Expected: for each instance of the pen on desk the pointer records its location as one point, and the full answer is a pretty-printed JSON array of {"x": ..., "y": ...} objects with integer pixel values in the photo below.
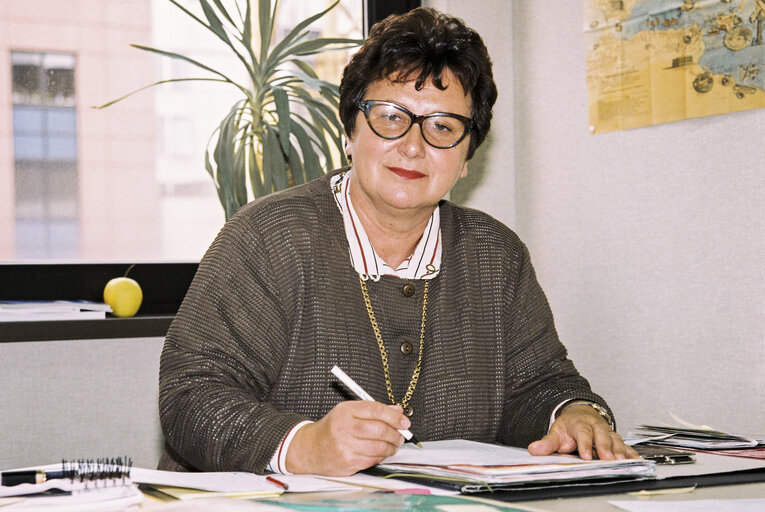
[
  {"x": 359, "y": 392},
  {"x": 274, "y": 481},
  {"x": 29, "y": 476}
]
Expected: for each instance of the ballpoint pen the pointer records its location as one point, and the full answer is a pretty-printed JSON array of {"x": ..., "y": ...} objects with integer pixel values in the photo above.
[
  {"x": 278, "y": 483},
  {"x": 31, "y": 476},
  {"x": 359, "y": 392}
]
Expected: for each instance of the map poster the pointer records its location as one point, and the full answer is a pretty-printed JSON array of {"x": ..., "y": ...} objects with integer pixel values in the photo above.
[{"x": 657, "y": 61}]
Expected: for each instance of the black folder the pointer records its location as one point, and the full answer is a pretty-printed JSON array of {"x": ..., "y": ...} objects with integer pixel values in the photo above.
[{"x": 580, "y": 488}]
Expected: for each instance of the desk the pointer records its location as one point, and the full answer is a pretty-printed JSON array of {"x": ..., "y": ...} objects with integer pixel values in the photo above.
[
  {"x": 585, "y": 504},
  {"x": 600, "y": 503},
  {"x": 706, "y": 464}
]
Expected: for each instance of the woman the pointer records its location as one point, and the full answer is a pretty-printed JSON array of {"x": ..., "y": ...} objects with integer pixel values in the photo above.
[{"x": 432, "y": 308}]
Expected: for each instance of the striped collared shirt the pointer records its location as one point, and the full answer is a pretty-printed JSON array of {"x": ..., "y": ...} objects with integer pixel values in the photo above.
[{"x": 423, "y": 263}]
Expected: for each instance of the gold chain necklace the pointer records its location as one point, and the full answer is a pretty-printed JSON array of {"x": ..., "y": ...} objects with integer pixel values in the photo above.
[{"x": 384, "y": 355}]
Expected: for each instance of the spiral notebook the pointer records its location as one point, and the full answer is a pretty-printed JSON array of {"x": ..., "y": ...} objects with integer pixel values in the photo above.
[{"x": 84, "y": 485}]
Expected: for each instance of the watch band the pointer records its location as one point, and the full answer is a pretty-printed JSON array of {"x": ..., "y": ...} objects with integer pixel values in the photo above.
[{"x": 598, "y": 408}]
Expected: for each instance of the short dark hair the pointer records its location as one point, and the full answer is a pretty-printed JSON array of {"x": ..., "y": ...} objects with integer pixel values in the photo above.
[{"x": 419, "y": 45}]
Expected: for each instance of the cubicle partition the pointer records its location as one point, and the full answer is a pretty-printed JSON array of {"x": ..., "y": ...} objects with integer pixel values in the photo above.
[{"x": 84, "y": 388}]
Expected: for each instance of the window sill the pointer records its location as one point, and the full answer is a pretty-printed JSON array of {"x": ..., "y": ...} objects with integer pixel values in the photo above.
[
  {"x": 164, "y": 285},
  {"x": 142, "y": 326}
]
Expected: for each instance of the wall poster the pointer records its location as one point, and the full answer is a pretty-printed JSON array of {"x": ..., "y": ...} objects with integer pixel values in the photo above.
[{"x": 656, "y": 61}]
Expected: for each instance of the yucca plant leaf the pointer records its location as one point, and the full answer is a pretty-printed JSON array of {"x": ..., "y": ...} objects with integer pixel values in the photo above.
[
  {"x": 223, "y": 154},
  {"x": 178, "y": 56},
  {"x": 218, "y": 189},
  {"x": 332, "y": 88},
  {"x": 320, "y": 138},
  {"x": 222, "y": 9},
  {"x": 298, "y": 32},
  {"x": 328, "y": 91},
  {"x": 274, "y": 166},
  {"x": 316, "y": 83},
  {"x": 221, "y": 185},
  {"x": 330, "y": 115},
  {"x": 314, "y": 45},
  {"x": 224, "y": 148},
  {"x": 215, "y": 25},
  {"x": 283, "y": 112},
  {"x": 240, "y": 173},
  {"x": 277, "y": 55},
  {"x": 331, "y": 97},
  {"x": 275, "y": 61},
  {"x": 311, "y": 165},
  {"x": 247, "y": 41},
  {"x": 109, "y": 104},
  {"x": 328, "y": 118},
  {"x": 296, "y": 166},
  {"x": 266, "y": 21},
  {"x": 256, "y": 180},
  {"x": 336, "y": 138},
  {"x": 304, "y": 67},
  {"x": 287, "y": 82},
  {"x": 320, "y": 108},
  {"x": 220, "y": 32},
  {"x": 189, "y": 13}
]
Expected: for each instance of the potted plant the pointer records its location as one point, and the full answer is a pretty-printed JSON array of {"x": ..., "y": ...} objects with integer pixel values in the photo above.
[{"x": 285, "y": 129}]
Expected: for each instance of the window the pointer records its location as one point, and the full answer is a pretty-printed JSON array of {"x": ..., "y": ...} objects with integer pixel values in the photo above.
[
  {"x": 126, "y": 183},
  {"x": 45, "y": 155}
]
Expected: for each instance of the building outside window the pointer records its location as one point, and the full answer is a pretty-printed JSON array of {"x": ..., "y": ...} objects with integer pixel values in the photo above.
[{"x": 45, "y": 155}]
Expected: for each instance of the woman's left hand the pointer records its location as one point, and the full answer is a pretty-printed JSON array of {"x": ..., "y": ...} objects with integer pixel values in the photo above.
[{"x": 580, "y": 428}]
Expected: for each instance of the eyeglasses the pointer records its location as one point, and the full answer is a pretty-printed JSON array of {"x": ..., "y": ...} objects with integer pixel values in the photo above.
[{"x": 390, "y": 121}]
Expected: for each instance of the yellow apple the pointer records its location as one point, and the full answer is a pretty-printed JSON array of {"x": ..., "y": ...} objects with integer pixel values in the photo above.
[{"x": 124, "y": 295}]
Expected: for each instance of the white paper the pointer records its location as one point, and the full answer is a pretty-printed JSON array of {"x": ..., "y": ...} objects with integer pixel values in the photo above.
[
  {"x": 313, "y": 483},
  {"x": 362, "y": 480},
  {"x": 62, "y": 484},
  {"x": 20, "y": 311},
  {"x": 106, "y": 499},
  {"x": 224, "y": 481},
  {"x": 460, "y": 451},
  {"x": 738, "y": 505},
  {"x": 708, "y": 464},
  {"x": 233, "y": 481}
]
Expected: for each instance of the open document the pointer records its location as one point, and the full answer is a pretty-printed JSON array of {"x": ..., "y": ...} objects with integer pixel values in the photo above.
[
  {"x": 233, "y": 484},
  {"x": 474, "y": 467}
]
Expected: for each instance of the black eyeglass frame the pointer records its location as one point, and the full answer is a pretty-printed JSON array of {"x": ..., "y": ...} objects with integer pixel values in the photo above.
[{"x": 366, "y": 106}]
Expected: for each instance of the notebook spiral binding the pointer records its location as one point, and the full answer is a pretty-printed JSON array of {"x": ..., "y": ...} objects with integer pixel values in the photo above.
[{"x": 97, "y": 472}]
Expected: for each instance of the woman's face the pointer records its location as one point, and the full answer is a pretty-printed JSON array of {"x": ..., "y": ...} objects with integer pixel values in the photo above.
[{"x": 407, "y": 175}]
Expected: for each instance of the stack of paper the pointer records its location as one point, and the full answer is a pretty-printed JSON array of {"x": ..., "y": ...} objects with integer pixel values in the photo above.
[
  {"x": 98, "y": 499},
  {"x": 700, "y": 438},
  {"x": 34, "y": 311},
  {"x": 477, "y": 466},
  {"x": 105, "y": 493},
  {"x": 232, "y": 484},
  {"x": 72, "y": 494}
]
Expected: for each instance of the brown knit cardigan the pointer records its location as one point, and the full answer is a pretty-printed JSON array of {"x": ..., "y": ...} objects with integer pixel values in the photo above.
[{"x": 276, "y": 303}]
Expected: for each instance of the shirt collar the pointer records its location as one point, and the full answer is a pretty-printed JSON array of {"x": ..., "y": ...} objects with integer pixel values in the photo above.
[{"x": 423, "y": 263}]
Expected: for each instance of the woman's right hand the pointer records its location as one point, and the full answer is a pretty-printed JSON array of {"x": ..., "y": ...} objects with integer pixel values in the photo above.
[{"x": 354, "y": 435}]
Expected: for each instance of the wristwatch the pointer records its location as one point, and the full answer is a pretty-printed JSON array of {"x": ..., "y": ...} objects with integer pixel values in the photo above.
[{"x": 598, "y": 408}]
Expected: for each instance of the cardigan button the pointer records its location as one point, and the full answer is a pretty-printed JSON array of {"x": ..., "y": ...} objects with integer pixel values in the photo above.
[
  {"x": 408, "y": 290},
  {"x": 409, "y": 411},
  {"x": 407, "y": 348}
]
